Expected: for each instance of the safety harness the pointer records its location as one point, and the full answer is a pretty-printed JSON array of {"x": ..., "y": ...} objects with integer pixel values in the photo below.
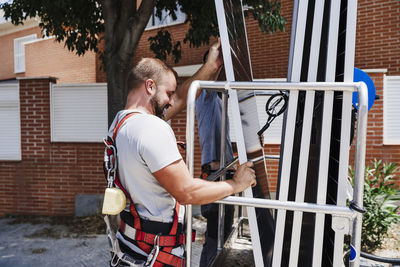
[{"x": 157, "y": 246}]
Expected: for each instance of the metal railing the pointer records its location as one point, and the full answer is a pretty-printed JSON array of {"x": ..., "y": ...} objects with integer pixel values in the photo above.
[{"x": 344, "y": 212}]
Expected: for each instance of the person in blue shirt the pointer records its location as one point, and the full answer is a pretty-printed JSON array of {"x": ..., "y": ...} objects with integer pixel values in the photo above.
[{"x": 209, "y": 116}]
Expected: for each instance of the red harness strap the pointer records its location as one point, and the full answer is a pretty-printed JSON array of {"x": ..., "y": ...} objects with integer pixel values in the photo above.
[{"x": 146, "y": 240}]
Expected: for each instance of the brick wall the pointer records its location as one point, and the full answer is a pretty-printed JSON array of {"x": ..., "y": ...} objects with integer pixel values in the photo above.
[
  {"x": 49, "y": 175},
  {"x": 378, "y": 35},
  {"x": 7, "y": 52},
  {"x": 58, "y": 61}
]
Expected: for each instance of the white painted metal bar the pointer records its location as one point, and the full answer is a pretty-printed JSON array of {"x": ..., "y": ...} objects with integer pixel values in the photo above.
[
  {"x": 236, "y": 119},
  {"x": 345, "y": 212},
  {"x": 326, "y": 130},
  {"x": 299, "y": 40},
  {"x": 350, "y": 40},
  {"x": 302, "y": 177},
  {"x": 315, "y": 41},
  {"x": 351, "y": 19},
  {"x": 284, "y": 184},
  {"x": 234, "y": 103},
  {"x": 294, "y": 68},
  {"x": 306, "y": 131},
  {"x": 221, "y": 208},
  {"x": 334, "y": 17},
  {"x": 190, "y": 119},
  {"x": 289, "y": 86},
  {"x": 289, "y": 205},
  {"x": 359, "y": 161},
  {"x": 322, "y": 178},
  {"x": 343, "y": 172}
]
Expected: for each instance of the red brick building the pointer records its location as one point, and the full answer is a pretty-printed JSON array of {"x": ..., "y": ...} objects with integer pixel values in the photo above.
[{"x": 51, "y": 164}]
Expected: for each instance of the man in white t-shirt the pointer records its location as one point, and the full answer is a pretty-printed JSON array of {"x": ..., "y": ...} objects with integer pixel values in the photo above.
[{"x": 151, "y": 169}]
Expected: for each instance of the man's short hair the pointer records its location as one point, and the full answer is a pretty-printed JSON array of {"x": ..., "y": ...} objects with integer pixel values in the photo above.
[{"x": 148, "y": 68}]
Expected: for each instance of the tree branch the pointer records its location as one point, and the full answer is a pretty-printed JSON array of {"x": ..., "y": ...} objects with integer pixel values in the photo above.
[
  {"x": 136, "y": 26},
  {"x": 126, "y": 11}
]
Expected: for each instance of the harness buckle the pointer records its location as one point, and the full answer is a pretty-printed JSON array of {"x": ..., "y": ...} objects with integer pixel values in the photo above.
[{"x": 151, "y": 259}]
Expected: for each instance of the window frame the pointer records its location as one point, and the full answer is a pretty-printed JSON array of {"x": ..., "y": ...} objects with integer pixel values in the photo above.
[
  {"x": 162, "y": 25},
  {"x": 387, "y": 140},
  {"x": 19, "y": 57},
  {"x": 13, "y": 104},
  {"x": 79, "y": 135}
]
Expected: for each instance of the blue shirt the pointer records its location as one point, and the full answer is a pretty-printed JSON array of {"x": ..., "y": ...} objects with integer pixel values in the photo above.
[{"x": 209, "y": 113}]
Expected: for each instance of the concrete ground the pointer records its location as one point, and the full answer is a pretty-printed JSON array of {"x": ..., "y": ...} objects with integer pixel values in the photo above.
[
  {"x": 23, "y": 245},
  {"x": 42, "y": 244},
  {"x": 19, "y": 247}
]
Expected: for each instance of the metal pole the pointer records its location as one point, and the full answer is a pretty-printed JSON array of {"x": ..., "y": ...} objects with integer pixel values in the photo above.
[
  {"x": 190, "y": 161},
  {"x": 361, "y": 141},
  {"x": 289, "y": 205},
  {"x": 304, "y": 86},
  {"x": 221, "y": 207}
]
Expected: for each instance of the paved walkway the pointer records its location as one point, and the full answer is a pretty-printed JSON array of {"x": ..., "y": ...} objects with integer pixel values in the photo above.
[{"x": 20, "y": 248}]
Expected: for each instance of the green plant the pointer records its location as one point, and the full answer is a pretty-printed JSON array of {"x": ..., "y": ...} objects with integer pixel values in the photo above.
[{"x": 380, "y": 196}]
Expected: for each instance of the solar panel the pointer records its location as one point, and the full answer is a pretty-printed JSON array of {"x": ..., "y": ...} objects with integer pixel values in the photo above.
[
  {"x": 322, "y": 49},
  {"x": 238, "y": 68},
  {"x": 316, "y": 130}
]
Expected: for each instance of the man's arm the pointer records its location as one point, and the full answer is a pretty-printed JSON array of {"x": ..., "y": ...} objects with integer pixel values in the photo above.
[
  {"x": 209, "y": 71},
  {"x": 175, "y": 178}
]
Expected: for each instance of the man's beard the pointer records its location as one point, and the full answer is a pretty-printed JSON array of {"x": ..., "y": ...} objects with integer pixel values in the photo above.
[{"x": 159, "y": 110}]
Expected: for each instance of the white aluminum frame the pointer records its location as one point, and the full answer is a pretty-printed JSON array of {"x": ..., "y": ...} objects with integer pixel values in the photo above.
[
  {"x": 239, "y": 135},
  {"x": 342, "y": 212}
]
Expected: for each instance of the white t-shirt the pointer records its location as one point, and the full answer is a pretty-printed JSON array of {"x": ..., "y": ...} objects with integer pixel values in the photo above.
[{"x": 146, "y": 144}]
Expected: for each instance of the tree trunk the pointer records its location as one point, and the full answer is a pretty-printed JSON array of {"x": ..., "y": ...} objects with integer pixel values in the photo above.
[
  {"x": 116, "y": 86},
  {"x": 124, "y": 25}
]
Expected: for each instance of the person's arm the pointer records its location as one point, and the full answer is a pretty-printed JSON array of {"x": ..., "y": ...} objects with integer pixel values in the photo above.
[
  {"x": 209, "y": 71},
  {"x": 175, "y": 178}
]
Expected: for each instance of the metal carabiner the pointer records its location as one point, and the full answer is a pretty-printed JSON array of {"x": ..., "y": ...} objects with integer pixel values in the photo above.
[
  {"x": 110, "y": 162},
  {"x": 110, "y": 179},
  {"x": 114, "y": 262},
  {"x": 151, "y": 259}
]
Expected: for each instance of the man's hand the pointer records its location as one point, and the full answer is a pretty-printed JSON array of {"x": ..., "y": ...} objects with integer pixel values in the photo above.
[
  {"x": 214, "y": 57},
  {"x": 208, "y": 72},
  {"x": 244, "y": 177}
]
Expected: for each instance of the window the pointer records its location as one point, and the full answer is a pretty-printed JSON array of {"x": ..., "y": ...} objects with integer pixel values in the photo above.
[
  {"x": 166, "y": 20},
  {"x": 78, "y": 112},
  {"x": 19, "y": 52},
  {"x": 10, "y": 134},
  {"x": 391, "y": 110}
]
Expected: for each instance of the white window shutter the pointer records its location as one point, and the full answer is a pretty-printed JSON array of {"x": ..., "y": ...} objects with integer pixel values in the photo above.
[
  {"x": 10, "y": 134},
  {"x": 19, "y": 52},
  {"x": 391, "y": 131},
  {"x": 78, "y": 112}
]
